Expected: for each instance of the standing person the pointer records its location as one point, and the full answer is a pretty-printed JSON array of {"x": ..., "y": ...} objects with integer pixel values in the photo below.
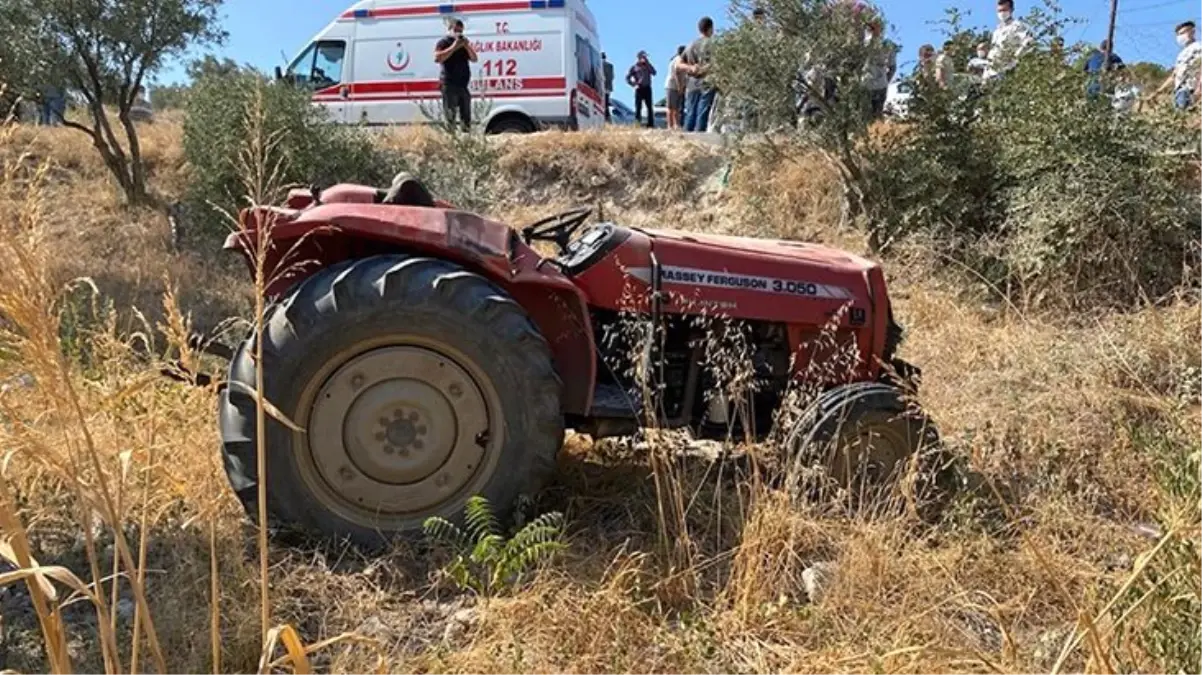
[
  {"x": 699, "y": 93},
  {"x": 926, "y": 61},
  {"x": 978, "y": 63},
  {"x": 1095, "y": 65},
  {"x": 607, "y": 69},
  {"x": 455, "y": 55},
  {"x": 1186, "y": 79},
  {"x": 54, "y": 105},
  {"x": 879, "y": 70},
  {"x": 674, "y": 88},
  {"x": 1010, "y": 40},
  {"x": 945, "y": 67},
  {"x": 639, "y": 76},
  {"x": 1056, "y": 49}
]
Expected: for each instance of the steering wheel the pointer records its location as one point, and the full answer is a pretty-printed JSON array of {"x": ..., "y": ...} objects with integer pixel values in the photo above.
[{"x": 558, "y": 228}]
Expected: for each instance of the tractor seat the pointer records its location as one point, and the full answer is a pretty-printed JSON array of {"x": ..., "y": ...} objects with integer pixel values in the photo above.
[{"x": 407, "y": 190}]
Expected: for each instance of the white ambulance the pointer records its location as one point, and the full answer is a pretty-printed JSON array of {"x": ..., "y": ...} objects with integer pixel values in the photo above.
[{"x": 539, "y": 63}]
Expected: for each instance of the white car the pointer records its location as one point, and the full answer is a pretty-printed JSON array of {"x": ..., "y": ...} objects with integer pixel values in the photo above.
[
  {"x": 623, "y": 115},
  {"x": 539, "y": 63},
  {"x": 620, "y": 113},
  {"x": 897, "y": 98}
]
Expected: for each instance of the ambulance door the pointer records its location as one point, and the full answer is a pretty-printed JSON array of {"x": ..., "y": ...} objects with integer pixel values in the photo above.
[{"x": 324, "y": 68}]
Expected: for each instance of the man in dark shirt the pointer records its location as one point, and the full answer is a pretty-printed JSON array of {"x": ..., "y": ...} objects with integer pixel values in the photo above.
[
  {"x": 455, "y": 54},
  {"x": 639, "y": 77},
  {"x": 699, "y": 92}
]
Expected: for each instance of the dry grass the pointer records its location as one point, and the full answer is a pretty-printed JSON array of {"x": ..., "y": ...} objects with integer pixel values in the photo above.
[{"x": 1046, "y": 409}]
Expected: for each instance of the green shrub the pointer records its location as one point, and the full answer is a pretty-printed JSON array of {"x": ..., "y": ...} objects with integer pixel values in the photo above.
[
  {"x": 1159, "y": 610},
  {"x": 310, "y": 149},
  {"x": 1049, "y": 196},
  {"x": 1043, "y": 191}
]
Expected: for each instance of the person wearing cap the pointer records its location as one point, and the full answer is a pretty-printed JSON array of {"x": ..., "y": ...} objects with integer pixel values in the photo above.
[{"x": 639, "y": 76}]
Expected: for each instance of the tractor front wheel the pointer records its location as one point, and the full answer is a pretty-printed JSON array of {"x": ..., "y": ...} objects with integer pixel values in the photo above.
[
  {"x": 863, "y": 434},
  {"x": 414, "y": 384}
]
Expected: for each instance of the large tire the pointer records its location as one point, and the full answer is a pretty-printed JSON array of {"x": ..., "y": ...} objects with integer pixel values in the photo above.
[
  {"x": 864, "y": 434},
  {"x": 418, "y": 384}
]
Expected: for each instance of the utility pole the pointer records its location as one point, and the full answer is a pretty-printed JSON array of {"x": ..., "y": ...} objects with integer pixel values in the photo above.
[{"x": 1114, "y": 10}]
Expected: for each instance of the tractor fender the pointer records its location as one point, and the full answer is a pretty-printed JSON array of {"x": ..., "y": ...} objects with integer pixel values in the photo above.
[{"x": 301, "y": 244}]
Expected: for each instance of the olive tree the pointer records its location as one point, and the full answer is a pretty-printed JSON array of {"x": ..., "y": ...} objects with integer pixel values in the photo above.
[
  {"x": 103, "y": 51},
  {"x": 804, "y": 68}
]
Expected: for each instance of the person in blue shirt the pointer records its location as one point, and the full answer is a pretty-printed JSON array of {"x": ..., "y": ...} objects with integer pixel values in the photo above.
[{"x": 1094, "y": 65}]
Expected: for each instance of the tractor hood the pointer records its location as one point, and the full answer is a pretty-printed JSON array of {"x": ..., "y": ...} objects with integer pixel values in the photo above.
[{"x": 795, "y": 251}]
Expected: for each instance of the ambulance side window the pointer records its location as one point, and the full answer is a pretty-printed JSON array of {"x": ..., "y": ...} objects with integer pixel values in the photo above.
[
  {"x": 588, "y": 64},
  {"x": 327, "y": 64},
  {"x": 320, "y": 65}
]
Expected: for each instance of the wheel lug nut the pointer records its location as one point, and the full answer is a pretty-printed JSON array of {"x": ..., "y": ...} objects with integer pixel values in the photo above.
[
  {"x": 403, "y": 452},
  {"x": 345, "y": 473},
  {"x": 357, "y": 380},
  {"x": 413, "y": 417},
  {"x": 417, "y": 445},
  {"x": 456, "y": 390},
  {"x": 380, "y": 436},
  {"x": 421, "y": 430},
  {"x": 388, "y": 449}
]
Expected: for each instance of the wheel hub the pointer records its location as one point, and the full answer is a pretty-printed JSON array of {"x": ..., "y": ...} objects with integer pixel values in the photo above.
[
  {"x": 873, "y": 450},
  {"x": 397, "y": 430}
]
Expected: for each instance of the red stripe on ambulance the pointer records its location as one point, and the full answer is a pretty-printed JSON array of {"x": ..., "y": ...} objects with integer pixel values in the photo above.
[
  {"x": 591, "y": 93},
  {"x": 403, "y": 89}
]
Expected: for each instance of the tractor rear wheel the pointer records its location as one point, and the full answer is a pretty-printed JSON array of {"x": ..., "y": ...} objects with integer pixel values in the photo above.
[
  {"x": 417, "y": 385},
  {"x": 864, "y": 434}
]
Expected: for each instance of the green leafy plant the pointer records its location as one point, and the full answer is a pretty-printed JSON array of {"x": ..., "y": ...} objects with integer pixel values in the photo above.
[
  {"x": 816, "y": 85},
  {"x": 104, "y": 52},
  {"x": 1167, "y": 592},
  {"x": 485, "y": 561},
  {"x": 313, "y": 149}
]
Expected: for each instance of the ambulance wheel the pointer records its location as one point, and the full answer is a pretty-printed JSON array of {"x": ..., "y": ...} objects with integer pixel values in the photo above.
[{"x": 511, "y": 123}]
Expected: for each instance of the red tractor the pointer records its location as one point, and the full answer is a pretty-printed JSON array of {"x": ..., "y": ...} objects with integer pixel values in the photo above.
[{"x": 423, "y": 354}]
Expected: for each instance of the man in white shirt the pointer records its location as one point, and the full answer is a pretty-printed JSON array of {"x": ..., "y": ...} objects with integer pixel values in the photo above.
[
  {"x": 978, "y": 63},
  {"x": 1186, "y": 79},
  {"x": 674, "y": 88},
  {"x": 880, "y": 69},
  {"x": 1010, "y": 40}
]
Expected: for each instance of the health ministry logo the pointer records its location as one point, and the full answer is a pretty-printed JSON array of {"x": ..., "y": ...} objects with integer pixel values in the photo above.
[{"x": 398, "y": 59}]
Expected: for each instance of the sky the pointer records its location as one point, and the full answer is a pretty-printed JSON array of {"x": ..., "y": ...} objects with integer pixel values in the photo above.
[{"x": 262, "y": 32}]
